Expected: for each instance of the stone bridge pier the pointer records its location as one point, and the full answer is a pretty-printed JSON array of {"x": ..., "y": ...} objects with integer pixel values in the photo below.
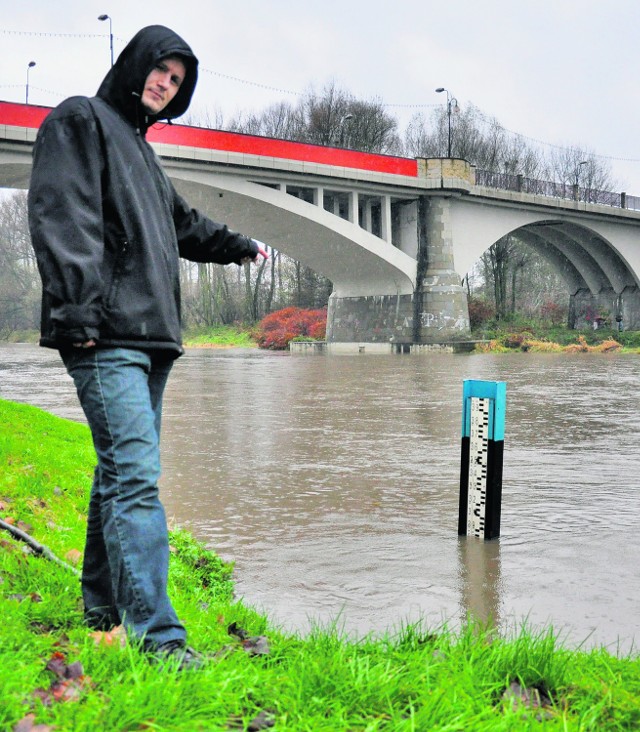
[
  {"x": 605, "y": 308},
  {"x": 436, "y": 312}
]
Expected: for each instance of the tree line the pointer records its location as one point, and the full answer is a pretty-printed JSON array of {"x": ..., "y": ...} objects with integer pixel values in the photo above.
[
  {"x": 211, "y": 295},
  {"x": 510, "y": 278}
]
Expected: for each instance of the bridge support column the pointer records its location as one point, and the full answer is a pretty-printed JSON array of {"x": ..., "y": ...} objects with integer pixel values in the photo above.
[
  {"x": 441, "y": 311},
  {"x": 353, "y": 207},
  {"x": 385, "y": 218},
  {"x": 381, "y": 321},
  {"x": 628, "y": 308},
  {"x": 606, "y": 309},
  {"x": 368, "y": 217},
  {"x": 437, "y": 312}
]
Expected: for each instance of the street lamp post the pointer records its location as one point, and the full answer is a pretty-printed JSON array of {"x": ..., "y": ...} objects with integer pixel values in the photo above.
[
  {"x": 107, "y": 17},
  {"x": 577, "y": 173},
  {"x": 450, "y": 102},
  {"x": 341, "y": 128},
  {"x": 576, "y": 188},
  {"x": 30, "y": 65}
]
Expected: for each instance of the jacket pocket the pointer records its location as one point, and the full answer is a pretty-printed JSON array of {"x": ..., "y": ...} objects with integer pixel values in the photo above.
[{"x": 119, "y": 265}]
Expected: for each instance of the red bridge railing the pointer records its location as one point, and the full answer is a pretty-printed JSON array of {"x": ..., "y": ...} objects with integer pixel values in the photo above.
[{"x": 23, "y": 115}]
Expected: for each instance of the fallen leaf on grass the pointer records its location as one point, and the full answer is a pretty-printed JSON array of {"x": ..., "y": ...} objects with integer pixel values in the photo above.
[
  {"x": 115, "y": 637},
  {"x": 73, "y": 556},
  {"x": 34, "y": 597},
  {"x": 531, "y": 697},
  {"x": 41, "y": 628},
  {"x": 68, "y": 684},
  {"x": 27, "y": 724},
  {"x": 257, "y": 645},
  {"x": 235, "y": 630},
  {"x": 264, "y": 720}
]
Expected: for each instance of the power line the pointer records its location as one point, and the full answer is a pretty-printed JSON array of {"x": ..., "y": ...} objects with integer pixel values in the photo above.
[
  {"x": 296, "y": 93},
  {"x": 50, "y": 35},
  {"x": 487, "y": 119},
  {"x": 248, "y": 82}
]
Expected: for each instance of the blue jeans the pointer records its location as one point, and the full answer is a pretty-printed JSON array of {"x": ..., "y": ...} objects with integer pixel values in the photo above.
[{"x": 126, "y": 560}]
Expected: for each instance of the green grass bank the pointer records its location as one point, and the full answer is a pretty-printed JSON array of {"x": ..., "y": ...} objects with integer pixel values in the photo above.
[
  {"x": 220, "y": 336},
  {"x": 54, "y": 675}
]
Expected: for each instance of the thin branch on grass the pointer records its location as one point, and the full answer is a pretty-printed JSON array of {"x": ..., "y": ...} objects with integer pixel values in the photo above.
[{"x": 37, "y": 547}]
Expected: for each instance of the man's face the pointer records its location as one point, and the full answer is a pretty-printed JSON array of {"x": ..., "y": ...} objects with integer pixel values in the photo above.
[{"x": 162, "y": 84}]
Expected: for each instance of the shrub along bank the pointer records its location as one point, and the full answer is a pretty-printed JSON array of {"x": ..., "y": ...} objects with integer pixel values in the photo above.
[
  {"x": 55, "y": 675},
  {"x": 540, "y": 337}
]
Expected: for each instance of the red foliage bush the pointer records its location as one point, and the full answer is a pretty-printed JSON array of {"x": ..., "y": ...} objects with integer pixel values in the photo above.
[
  {"x": 480, "y": 311},
  {"x": 557, "y": 314},
  {"x": 275, "y": 330}
]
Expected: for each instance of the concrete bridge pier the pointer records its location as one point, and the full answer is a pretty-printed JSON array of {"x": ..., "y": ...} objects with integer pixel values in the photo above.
[
  {"x": 436, "y": 312},
  {"x": 441, "y": 311},
  {"x": 605, "y": 308}
]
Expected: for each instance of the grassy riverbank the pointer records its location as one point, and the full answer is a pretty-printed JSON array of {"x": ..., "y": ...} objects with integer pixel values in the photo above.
[
  {"x": 521, "y": 335},
  {"x": 421, "y": 679},
  {"x": 524, "y": 336},
  {"x": 221, "y": 336},
  {"x": 535, "y": 337}
]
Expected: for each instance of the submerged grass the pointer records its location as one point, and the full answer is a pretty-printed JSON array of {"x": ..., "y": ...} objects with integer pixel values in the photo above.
[{"x": 416, "y": 679}]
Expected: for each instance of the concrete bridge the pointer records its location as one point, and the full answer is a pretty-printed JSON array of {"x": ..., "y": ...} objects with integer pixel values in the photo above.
[{"x": 394, "y": 235}]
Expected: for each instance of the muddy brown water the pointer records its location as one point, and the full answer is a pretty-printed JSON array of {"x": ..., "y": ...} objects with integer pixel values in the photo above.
[{"x": 332, "y": 482}]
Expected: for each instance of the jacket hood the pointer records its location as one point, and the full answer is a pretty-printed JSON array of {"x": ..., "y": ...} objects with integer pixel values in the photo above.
[{"x": 122, "y": 87}]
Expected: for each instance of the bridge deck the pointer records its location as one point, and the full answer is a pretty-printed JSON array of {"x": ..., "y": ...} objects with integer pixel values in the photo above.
[{"x": 31, "y": 117}]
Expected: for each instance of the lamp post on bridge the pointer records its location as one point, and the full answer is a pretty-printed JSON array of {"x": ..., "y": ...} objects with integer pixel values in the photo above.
[
  {"x": 576, "y": 188},
  {"x": 104, "y": 16},
  {"x": 341, "y": 128},
  {"x": 30, "y": 65},
  {"x": 451, "y": 100}
]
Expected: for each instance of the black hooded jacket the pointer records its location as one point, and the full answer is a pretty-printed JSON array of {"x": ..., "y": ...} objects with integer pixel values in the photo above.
[{"x": 106, "y": 223}]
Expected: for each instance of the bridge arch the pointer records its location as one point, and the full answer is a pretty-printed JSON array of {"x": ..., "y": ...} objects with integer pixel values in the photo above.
[
  {"x": 582, "y": 252},
  {"x": 357, "y": 262},
  {"x": 601, "y": 277}
]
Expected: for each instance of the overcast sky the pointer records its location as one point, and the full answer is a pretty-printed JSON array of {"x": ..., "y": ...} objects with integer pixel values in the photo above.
[{"x": 561, "y": 72}]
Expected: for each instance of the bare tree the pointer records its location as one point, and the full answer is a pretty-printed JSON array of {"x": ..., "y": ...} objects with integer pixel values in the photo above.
[
  {"x": 496, "y": 264},
  {"x": 580, "y": 168},
  {"x": 281, "y": 120},
  {"x": 474, "y": 137},
  {"x": 211, "y": 118},
  {"x": 19, "y": 278}
]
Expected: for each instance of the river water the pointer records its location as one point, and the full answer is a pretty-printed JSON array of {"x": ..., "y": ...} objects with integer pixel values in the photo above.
[{"x": 332, "y": 482}]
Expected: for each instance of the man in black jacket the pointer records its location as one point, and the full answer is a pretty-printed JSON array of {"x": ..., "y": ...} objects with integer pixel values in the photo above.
[{"x": 108, "y": 229}]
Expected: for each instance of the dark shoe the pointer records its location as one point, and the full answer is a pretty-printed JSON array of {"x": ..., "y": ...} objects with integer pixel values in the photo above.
[{"x": 176, "y": 651}]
